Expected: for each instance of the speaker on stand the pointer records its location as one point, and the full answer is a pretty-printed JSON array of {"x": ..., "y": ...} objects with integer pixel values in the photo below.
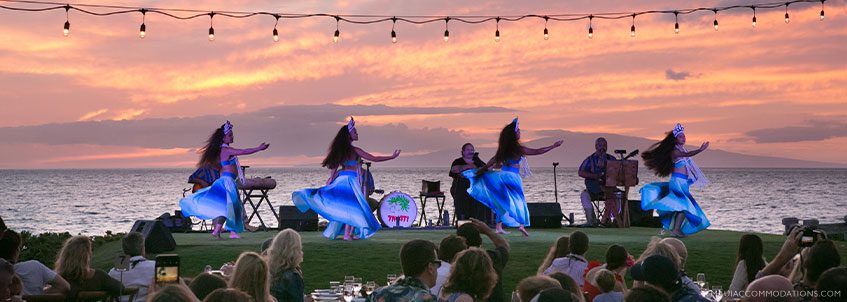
[{"x": 157, "y": 238}]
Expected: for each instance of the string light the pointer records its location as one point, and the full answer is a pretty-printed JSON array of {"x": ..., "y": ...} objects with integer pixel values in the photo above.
[
  {"x": 393, "y": 33},
  {"x": 547, "y": 33},
  {"x": 822, "y": 9},
  {"x": 676, "y": 22},
  {"x": 632, "y": 29},
  {"x": 446, "y": 29},
  {"x": 716, "y": 19},
  {"x": 211, "y": 27},
  {"x": 497, "y": 32},
  {"x": 786, "y": 14},
  {"x": 276, "y": 32},
  {"x": 754, "y": 15},
  {"x": 67, "y": 28},
  {"x": 142, "y": 32},
  {"x": 337, "y": 34},
  {"x": 590, "y": 27}
]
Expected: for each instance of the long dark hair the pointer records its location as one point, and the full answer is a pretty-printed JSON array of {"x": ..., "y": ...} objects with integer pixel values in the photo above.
[
  {"x": 339, "y": 150},
  {"x": 211, "y": 153},
  {"x": 658, "y": 156},
  {"x": 750, "y": 250},
  {"x": 508, "y": 146}
]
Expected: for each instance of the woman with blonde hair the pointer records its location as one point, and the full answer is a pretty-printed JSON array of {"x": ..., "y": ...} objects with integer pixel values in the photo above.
[
  {"x": 472, "y": 277},
  {"x": 251, "y": 276},
  {"x": 657, "y": 247},
  {"x": 74, "y": 264},
  {"x": 284, "y": 258},
  {"x": 560, "y": 249}
]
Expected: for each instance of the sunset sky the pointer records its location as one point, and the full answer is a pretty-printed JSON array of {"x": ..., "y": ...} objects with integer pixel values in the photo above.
[{"x": 103, "y": 97}]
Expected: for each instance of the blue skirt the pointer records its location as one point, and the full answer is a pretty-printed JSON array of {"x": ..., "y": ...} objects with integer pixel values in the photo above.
[
  {"x": 502, "y": 192},
  {"x": 342, "y": 203},
  {"x": 219, "y": 199},
  {"x": 668, "y": 198}
]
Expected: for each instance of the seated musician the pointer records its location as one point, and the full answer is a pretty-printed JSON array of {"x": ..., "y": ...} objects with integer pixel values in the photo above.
[
  {"x": 203, "y": 177},
  {"x": 465, "y": 206},
  {"x": 593, "y": 169}
]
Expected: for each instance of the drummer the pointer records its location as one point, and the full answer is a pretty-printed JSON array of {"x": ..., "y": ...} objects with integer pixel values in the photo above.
[{"x": 466, "y": 206}]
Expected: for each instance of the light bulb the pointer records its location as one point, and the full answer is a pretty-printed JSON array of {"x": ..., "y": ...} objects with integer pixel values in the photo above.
[
  {"x": 786, "y": 18},
  {"x": 821, "y": 15},
  {"x": 716, "y": 24},
  {"x": 276, "y": 35},
  {"x": 546, "y": 34},
  {"x": 590, "y": 32},
  {"x": 143, "y": 31},
  {"x": 336, "y": 36},
  {"x": 632, "y": 31},
  {"x": 211, "y": 33},
  {"x": 393, "y": 37},
  {"x": 446, "y": 35},
  {"x": 67, "y": 29},
  {"x": 754, "y": 21},
  {"x": 497, "y": 36},
  {"x": 676, "y": 28}
]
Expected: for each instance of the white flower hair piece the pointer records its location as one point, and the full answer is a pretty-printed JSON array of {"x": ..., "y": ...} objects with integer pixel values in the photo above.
[
  {"x": 678, "y": 130},
  {"x": 516, "y": 125},
  {"x": 227, "y": 128},
  {"x": 350, "y": 125}
]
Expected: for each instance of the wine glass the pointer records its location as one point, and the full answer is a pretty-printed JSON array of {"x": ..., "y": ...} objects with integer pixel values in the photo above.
[
  {"x": 717, "y": 291},
  {"x": 701, "y": 279},
  {"x": 370, "y": 287},
  {"x": 334, "y": 286},
  {"x": 348, "y": 293},
  {"x": 391, "y": 278},
  {"x": 357, "y": 285}
]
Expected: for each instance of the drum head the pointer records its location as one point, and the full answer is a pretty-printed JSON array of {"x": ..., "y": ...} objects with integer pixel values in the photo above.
[{"x": 397, "y": 209}]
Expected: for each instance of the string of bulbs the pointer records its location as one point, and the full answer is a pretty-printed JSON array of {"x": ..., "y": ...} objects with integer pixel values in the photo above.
[{"x": 187, "y": 14}]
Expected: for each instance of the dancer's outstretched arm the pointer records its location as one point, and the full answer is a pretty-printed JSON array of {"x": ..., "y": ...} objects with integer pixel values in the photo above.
[
  {"x": 374, "y": 158},
  {"x": 238, "y": 152},
  {"x": 539, "y": 151},
  {"x": 703, "y": 147}
]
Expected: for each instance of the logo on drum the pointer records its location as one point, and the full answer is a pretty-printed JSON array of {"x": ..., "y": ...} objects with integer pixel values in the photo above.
[{"x": 397, "y": 209}]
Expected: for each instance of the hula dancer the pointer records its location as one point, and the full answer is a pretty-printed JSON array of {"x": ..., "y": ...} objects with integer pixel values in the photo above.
[
  {"x": 342, "y": 200},
  {"x": 679, "y": 211},
  {"x": 220, "y": 201},
  {"x": 502, "y": 191}
]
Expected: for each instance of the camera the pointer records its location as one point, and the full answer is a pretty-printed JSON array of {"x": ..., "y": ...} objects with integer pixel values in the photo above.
[{"x": 809, "y": 235}]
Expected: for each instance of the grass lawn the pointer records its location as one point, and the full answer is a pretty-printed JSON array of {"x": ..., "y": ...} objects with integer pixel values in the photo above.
[{"x": 710, "y": 252}]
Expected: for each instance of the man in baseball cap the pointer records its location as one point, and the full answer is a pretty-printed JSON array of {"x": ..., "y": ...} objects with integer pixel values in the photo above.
[{"x": 660, "y": 271}]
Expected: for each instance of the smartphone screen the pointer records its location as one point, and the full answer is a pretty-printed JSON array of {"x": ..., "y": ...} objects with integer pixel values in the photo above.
[{"x": 167, "y": 269}]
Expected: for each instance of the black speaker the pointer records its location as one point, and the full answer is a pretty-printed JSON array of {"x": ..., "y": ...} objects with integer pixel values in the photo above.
[
  {"x": 545, "y": 214},
  {"x": 157, "y": 238},
  {"x": 291, "y": 218},
  {"x": 642, "y": 218}
]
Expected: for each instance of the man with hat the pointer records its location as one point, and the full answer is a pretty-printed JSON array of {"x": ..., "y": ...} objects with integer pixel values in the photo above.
[{"x": 660, "y": 271}]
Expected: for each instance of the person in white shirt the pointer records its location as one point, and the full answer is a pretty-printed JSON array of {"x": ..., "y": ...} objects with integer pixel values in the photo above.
[
  {"x": 140, "y": 272},
  {"x": 574, "y": 264},
  {"x": 34, "y": 275},
  {"x": 447, "y": 250}
]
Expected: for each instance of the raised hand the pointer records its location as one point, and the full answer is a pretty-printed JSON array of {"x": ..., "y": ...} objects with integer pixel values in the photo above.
[
  {"x": 704, "y": 146},
  {"x": 396, "y": 154},
  {"x": 558, "y": 143}
]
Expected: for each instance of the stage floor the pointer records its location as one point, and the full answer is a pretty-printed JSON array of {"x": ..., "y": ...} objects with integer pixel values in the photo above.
[{"x": 710, "y": 252}]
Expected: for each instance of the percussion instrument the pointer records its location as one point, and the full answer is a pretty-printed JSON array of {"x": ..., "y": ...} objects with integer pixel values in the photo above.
[{"x": 397, "y": 209}]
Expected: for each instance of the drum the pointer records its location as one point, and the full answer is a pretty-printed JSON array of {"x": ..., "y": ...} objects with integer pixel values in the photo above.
[
  {"x": 258, "y": 183},
  {"x": 397, "y": 209}
]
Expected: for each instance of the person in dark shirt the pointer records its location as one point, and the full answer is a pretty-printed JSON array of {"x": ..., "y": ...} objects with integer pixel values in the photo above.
[
  {"x": 74, "y": 264},
  {"x": 593, "y": 169},
  {"x": 465, "y": 205},
  {"x": 499, "y": 255}
]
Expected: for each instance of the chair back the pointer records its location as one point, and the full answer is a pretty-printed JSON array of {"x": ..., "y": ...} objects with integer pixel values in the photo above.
[{"x": 430, "y": 187}]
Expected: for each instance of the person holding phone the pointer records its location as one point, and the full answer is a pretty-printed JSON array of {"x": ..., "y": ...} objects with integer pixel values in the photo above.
[{"x": 466, "y": 206}]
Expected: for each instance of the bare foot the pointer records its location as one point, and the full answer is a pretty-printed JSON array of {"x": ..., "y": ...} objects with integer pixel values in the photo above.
[
  {"x": 523, "y": 231},
  {"x": 501, "y": 231},
  {"x": 347, "y": 238},
  {"x": 233, "y": 235}
]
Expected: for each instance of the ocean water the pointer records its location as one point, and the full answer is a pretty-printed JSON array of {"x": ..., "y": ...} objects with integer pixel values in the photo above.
[{"x": 94, "y": 201}]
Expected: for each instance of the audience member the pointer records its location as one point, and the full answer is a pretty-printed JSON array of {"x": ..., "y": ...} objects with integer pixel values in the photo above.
[
  {"x": 499, "y": 255},
  {"x": 33, "y": 275},
  {"x": 772, "y": 288},
  {"x": 74, "y": 264},
  {"x": 568, "y": 284},
  {"x": 7, "y": 274},
  {"x": 662, "y": 272},
  {"x": 748, "y": 261},
  {"x": 617, "y": 262},
  {"x": 471, "y": 279},
  {"x": 447, "y": 250},
  {"x": 574, "y": 264},
  {"x": 558, "y": 250},
  {"x": 284, "y": 257},
  {"x": 173, "y": 293},
  {"x": 608, "y": 285},
  {"x": 556, "y": 295},
  {"x": 140, "y": 272},
  {"x": 205, "y": 283},
  {"x": 681, "y": 251},
  {"x": 647, "y": 293},
  {"x": 657, "y": 247},
  {"x": 832, "y": 285},
  {"x": 822, "y": 256},
  {"x": 419, "y": 263},
  {"x": 251, "y": 276},
  {"x": 228, "y": 295},
  {"x": 530, "y": 286}
]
